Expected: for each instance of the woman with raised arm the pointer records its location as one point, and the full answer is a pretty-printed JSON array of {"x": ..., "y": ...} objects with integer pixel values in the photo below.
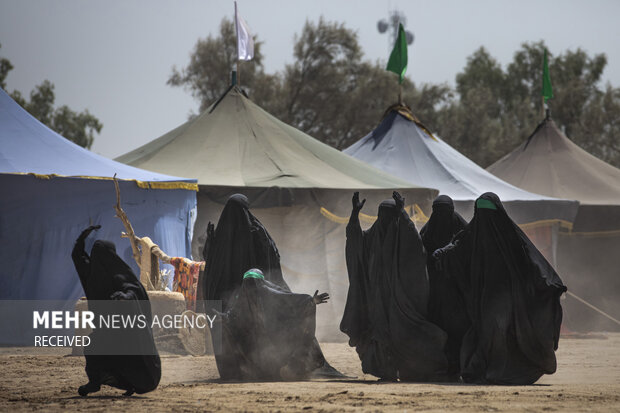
[
  {"x": 386, "y": 308},
  {"x": 125, "y": 359}
]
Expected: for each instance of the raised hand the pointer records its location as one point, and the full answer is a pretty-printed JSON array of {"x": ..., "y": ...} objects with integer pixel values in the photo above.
[
  {"x": 400, "y": 201},
  {"x": 88, "y": 230},
  {"x": 357, "y": 205},
  {"x": 320, "y": 298}
]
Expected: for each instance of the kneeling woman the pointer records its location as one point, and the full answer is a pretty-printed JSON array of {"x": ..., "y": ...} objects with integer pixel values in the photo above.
[
  {"x": 267, "y": 333},
  {"x": 125, "y": 359}
]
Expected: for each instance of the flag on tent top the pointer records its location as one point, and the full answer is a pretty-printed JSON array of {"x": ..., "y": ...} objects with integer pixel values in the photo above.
[
  {"x": 398, "y": 57},
  {"x": 547, "y": 92},
  {"x": 245, "y": 43}
]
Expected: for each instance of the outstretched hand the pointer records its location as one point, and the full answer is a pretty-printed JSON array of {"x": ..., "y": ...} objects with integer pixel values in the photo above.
[
  {"x": 320, "y": 298},
  {"x": 400, "y": 201},
  {"x": 357, "y": 205}
]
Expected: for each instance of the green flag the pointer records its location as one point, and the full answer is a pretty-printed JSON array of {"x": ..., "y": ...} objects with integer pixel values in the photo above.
[
  {"x": 398, "y": 57},
  {"x": 547, "y": 92}
]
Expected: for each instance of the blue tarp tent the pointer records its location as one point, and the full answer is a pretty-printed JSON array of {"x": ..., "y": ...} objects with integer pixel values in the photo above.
[{"x": 52, "y": 189}]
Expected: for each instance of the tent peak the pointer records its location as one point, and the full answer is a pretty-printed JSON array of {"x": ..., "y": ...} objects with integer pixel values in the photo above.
[
  {"x": 405, "y": 111},
  {"x": 546, "y": 121}
]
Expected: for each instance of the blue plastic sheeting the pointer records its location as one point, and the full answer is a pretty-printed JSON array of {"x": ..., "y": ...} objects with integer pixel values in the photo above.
[
  {"x": 41, "y": 218},
  {"x": 28, "y": 146}
]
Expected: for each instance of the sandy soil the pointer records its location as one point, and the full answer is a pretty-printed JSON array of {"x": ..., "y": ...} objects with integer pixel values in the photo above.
[{"x": 588, "y": 379}]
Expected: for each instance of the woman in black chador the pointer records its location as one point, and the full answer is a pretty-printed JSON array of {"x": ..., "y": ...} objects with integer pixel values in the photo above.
[
  {"x": 446, "y": 307},
  {"x": 268, "y": 334},
  {"x": 105, "y": 276},
  {"x": 386, "y": 308},
  {"x": 512, "y": 296},
  {"x": 239, "y": 242}
]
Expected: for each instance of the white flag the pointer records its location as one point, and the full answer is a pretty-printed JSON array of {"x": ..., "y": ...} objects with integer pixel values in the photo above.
[{"x": 245, "y": 43}]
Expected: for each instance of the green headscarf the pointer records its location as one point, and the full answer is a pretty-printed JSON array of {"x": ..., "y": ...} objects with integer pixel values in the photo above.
[
  {"x": 253, "y": 274},
  {"x": 486, "y": 204}
]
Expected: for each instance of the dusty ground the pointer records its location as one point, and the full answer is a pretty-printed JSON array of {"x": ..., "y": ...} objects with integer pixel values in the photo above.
[{"x": 588, "y": 379}]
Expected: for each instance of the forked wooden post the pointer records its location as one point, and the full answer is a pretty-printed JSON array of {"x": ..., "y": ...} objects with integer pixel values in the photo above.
[{"x": 125, "y": 220}]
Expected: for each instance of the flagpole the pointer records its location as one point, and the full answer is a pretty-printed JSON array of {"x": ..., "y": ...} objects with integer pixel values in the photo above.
[{"x": 237, "y": 61}]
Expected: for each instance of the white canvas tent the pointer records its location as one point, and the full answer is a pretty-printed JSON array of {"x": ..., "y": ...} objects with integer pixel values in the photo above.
[{"x": 405, "y": 148}]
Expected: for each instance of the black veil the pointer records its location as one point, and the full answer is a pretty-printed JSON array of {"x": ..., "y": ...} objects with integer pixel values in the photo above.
[
  {"x": 105, "y": 276},
  {"x": 512, "y": 296},
  {"x": 385, "y": 312},
  {"x": 446, "y": 307}
]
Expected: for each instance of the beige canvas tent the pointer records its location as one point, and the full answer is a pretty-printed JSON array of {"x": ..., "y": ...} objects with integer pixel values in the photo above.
[
  {"x": 589, "y": 261},
  {"x": 298, "y": 187}
]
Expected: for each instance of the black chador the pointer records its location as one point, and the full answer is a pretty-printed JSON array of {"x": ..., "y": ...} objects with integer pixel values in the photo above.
[
  {"x": 267, "y": 333},
  {"x": 386, "y": 308},
  {"x": 105, "y": 276},
  {"x": 446, "y": 307},
  {"x": 239, "y": 242},
  {"x": 512, "y": 296}
]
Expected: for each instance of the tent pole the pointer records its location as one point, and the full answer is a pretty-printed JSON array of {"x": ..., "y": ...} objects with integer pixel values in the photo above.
[{"x": 237, "y": 62}]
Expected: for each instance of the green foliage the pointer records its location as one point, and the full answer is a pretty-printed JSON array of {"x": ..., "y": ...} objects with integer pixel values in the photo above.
[
  {"x": 207, "y": 76},
  {"x": 5, "y": 68},
  {"x": 329, "y": 91},
  {"x": 497, "y": 109},
  {"x": 332, "y": 93},
  {"x": 79, "y": 128}
]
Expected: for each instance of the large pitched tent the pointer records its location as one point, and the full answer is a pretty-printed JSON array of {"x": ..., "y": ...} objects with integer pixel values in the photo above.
[
  {"x": 53, "y": 189},
  {"x": 298, "y": 187},
  {"x": 549, "y": 163},
  {"x": 402, "y": 146}
]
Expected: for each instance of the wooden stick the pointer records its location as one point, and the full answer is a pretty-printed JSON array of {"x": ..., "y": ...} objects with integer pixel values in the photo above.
[{"x": 125, "y": 220}]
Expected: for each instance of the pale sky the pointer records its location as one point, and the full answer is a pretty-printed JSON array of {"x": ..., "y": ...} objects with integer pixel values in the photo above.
[{"x": 113, "y": 57}]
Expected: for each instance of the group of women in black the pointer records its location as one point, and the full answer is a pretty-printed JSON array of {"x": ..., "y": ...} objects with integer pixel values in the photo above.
[
  {"x": 473, "y": 301},
  {"x": 464, "y": 301}
]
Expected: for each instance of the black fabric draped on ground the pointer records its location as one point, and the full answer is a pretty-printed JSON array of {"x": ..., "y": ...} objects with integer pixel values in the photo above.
[
  {"x": 105, "y": 276},
  {"x": 268, "y": 334},
  {"x": 512, "y": 296},
  {"x": 386, "y": 308},
  {"x": 446, "y": 307},
  {"x": 239, "y": 242}
]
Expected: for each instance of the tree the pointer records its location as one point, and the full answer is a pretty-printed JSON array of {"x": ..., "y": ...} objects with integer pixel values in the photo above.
[
  {"x": 79, "y": 128},
  {"x": 207, "y": 76},
  {"x": 497, "y": 109},
  {"x": 5, "y": 68},
  {"x": 332, "y": 93},
  {"x": 329, "y": 91}
]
